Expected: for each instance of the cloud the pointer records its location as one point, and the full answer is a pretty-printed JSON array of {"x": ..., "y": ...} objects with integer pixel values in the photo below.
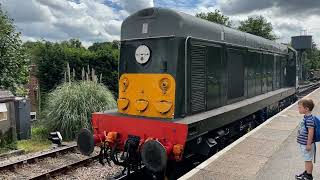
[
  {"x": 132, "y": 6},
  {"x": 57, "y": 20},
  {"x": 24, "y": 11},
  {"x": 100, "y": 20},
  {"x": 188, "y": 6},
  {"x": 288, "y": 17},
  {"x": 292, "y": 7}
]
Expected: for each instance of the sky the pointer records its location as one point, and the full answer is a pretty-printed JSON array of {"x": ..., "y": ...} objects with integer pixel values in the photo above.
[{"x": 100, "y": 20}]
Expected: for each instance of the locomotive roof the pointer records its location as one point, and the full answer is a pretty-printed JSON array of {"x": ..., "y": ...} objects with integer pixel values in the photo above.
[{"x": 165, "y": 22}]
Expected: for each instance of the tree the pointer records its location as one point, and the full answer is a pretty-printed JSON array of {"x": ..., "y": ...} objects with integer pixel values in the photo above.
[
  {"x": 13, "y": 59},
  {"x": 257, "y": 25},
  {"x": 51, "y": 59},
  {"x": 75, "y": 43},
  {"x": 106, "y": 63},
  {"x": 216, "y": 17},
  {"x": 311, "y": 60}
]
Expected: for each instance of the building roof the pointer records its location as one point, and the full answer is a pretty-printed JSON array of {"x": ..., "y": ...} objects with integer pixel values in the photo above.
[{"x": 6, "y": 95}]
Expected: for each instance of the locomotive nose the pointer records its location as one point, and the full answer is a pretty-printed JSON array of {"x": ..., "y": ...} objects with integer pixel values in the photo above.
[
  {"x": 85, "y": 142},
  {"x": 154, "y": 156}
]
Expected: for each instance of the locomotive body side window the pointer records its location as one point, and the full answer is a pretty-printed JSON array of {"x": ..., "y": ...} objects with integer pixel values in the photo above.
[
  {"x": 235, "y": 60},
  {"x": 245, "y": 73},
  {"x": 283, "y": 72},
  {"x": 278, "y": 71},
  {"x": 215, "y": 77},
  {"x": 274, "y": 73},
  {"x": 258, "y": 73},
  {"x": 270, "y": 59},
  {"x": 264, "y": 70},
  {"x": 251, "y": 65}
]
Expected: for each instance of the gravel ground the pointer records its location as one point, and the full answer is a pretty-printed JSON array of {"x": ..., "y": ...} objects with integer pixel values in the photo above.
[
  {"x": 93, "y": 171},
  {"x": 11, "y": 159}
]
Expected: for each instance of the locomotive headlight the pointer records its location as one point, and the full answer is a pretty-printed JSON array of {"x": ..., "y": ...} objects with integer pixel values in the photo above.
[
  {"x": 124, "y": 84},
  {"x": 164, "y": 85},
  {"x": 142, "y": 54}
]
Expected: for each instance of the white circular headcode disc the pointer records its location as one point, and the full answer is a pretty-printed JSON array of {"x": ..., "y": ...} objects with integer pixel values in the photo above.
[{"x": 142, "y": 54}]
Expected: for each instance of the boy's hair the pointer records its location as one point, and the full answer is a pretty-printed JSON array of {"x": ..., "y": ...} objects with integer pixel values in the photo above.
[{"x": 307, "y": 103}]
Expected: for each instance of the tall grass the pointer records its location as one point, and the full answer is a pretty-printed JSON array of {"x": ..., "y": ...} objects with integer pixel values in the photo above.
[
  {"x": 38, "y": 141},
  {"x": 70, "y": 106}
]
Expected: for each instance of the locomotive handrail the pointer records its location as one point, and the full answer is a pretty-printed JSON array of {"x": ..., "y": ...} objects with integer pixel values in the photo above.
[
  {"x": 154, "y": 37},
  {"x": 186, "y": 75}
]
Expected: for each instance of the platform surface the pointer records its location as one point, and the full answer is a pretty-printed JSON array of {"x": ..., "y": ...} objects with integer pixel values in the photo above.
[{"x": 266, "y": 153}]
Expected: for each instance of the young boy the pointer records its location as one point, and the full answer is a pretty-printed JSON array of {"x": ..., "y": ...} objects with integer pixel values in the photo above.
[{"x": 305, "y": 137}]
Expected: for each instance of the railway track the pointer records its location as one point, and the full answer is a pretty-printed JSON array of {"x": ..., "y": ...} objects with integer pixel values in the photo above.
[
  {"x": 65, "y": 168},
  {"x": 45, "y": 165},
  {"x": 36, "y": 158},
  {"x": 303, "y": 91}
]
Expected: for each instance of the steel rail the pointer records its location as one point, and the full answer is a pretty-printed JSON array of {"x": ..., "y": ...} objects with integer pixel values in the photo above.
[
  {"x": 65, "y": 168},
  {"x": 34, "y": 159}
]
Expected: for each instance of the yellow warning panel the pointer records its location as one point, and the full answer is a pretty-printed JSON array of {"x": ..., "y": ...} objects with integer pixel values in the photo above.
[{"x": 149, "y": 95}]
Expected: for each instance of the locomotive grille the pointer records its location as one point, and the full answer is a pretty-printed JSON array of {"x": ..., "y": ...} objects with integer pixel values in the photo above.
[{"x": 198, "y": 83}]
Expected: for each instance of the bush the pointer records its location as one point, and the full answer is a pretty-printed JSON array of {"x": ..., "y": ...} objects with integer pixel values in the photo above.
[
  {"x": 39, "y": 133},
  {"x": 70, "y": 106},
  {"x": 7, "y": 140},
  {"x": 38, "y": 142}
]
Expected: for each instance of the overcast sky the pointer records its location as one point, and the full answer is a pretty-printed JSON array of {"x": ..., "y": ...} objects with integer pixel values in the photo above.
[{"x": 100, "y": 20}]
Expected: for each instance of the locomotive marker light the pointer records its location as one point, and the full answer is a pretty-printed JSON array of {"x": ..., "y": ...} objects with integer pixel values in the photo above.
[{"x": 142, "y": 54}]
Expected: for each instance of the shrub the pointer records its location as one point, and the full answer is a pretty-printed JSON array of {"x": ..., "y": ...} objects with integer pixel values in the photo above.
[
  {"x": 7, "y": 140},
  {"x": 70, "y": 105},
  {"x": 38, "y": 132}
]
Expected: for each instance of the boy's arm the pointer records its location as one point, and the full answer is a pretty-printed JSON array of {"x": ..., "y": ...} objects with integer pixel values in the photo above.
[{"x": 310, "y": 138}]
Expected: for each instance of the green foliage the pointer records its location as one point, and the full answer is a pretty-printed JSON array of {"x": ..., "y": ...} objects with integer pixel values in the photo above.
[
  {"x": 258, "y": 25},
  {"x": 105, "y": 62},
  {"x": 8, "y": 140},
  {"x": 50, "y": 63},
  {"x": 216, "y": 17},
  {"x": 33, "y": 145},
  {"x": 13, "y": 59},
  {"x": 39, "y": 132},
  {"x": 70, "y": 106},
  {"x": 8, "y": 147},
  {"x": 38, "y": 141},
  {"x": 51, "y": 59},
  {"x": 311, "y": 59}
]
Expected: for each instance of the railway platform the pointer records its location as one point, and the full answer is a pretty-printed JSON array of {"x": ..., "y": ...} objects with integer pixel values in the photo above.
[{"x": 268, "y": 152}]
